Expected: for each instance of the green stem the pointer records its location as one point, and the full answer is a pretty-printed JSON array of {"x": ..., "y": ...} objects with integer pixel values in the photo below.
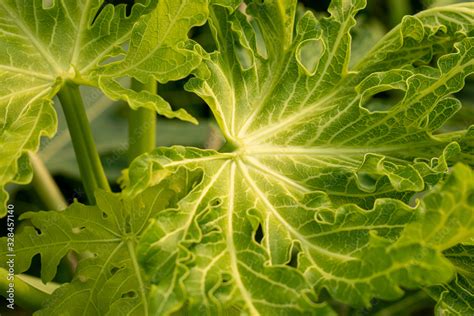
[
  {"x": 25, "y": 295},
  {"x": 397, "y": 10},
  {"x": 45, "y": 185},
  {"x": 141, "y": 124},
  {"x": 90, "y": 166}
]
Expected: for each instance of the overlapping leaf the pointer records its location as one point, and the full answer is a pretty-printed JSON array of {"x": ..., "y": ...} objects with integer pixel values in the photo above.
[
  {"x": 305, "y": 136},
  {"x": 108, "y": 280},
  {"x": 159, "y": 50},
  {"x": 39, "y": 48},
  {"x": 43, "y": 46}
]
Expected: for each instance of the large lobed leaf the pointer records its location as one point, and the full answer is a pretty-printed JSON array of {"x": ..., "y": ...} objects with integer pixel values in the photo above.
[
  {"x": 270, "y": 219},
  {"x": 39, "y": 47},
  {"x": 108, "y": 279},
  {"x": 205, "y": 256},
  {"x": 311, "y": 191},
  {"x": 42, "y": 45}
]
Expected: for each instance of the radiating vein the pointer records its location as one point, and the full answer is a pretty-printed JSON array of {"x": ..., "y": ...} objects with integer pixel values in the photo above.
[
  {"x": 230, "y": 244},
  {"x": 138, "y": 274},
  {"x": 275, "y": 175},
  {"x": 17, "y": 21},
  {"x": 27, "y": 72},
  {"x": 262, "y": 197}
]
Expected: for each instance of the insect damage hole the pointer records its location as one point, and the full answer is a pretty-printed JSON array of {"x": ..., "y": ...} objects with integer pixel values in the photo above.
[
  {"x": 385, "y": 100},
  {"x": 258, "y": 235},
  {"x": 308, "y": 55},
  {"x": 215, "y": 203},
  {"x": 78, "y": 230},
  {"x": 127, "y": 3},
  {"x": 114, "y": 270},
  {"x": 129, "y": 294},
  {"x": 38, "y": 231},
  {"x": 226, "y": 278}
]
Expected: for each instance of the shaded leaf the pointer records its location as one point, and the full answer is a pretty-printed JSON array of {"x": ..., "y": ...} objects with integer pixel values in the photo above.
[
  {"x": 40, "y": 48},
  {"x": 108, "y": 280}
]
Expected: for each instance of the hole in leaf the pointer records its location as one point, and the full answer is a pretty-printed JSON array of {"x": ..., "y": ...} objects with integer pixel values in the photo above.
[
  {"x": 38, "y": 231},
  {"x": 104, "y": 215},
  {"x": 258, "y": 235},
  {"x": 129, "y": 4},
  {"x": 197, "y": 179},
  {"x": 384, "y": 100},
  {"x": 128, "y": 9},
  {"x": 226, "y": 278},
  {"x": 35, "y": 267},
  {"x": 309, "y": 53},
  {"x": 114, "y": 270},
  {"x": 78, "y": 230},
  {"x": 215, "y": 202},
  {"x": 129, "y": 294}
]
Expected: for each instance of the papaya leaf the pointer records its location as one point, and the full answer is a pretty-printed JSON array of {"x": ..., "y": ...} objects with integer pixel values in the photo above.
[
  {"x": 108, "y": 279},
  {"x": 311, "y": 190},
  {"x": 43, "y": 45},
  {"x": 159, "y": 50}
]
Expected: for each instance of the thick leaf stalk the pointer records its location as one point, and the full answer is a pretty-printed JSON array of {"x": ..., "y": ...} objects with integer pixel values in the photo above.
[
  {"x": 142, "y": 124},
  {"x": 90, "y": 166}
]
